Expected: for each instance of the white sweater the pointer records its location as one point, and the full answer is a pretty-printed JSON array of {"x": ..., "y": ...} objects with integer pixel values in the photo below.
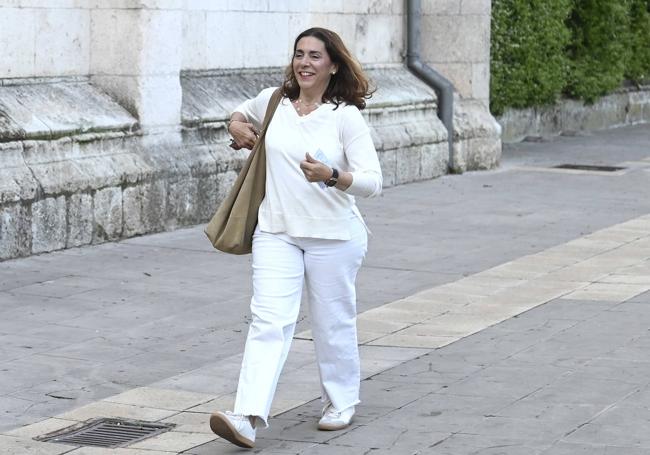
[{"x": 293, "y": 205}]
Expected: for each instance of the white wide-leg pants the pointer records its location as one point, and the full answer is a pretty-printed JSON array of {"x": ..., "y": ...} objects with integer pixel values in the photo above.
[{"x": 280, "y": 265}]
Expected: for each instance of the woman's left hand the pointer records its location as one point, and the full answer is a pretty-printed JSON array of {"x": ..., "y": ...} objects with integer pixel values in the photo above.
[{"x": 314, "y": 170}]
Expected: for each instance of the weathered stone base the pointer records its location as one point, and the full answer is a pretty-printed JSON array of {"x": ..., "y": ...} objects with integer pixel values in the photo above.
[
  {"x": 477, "y": 137},
  {"x": 70, "y": 188},
  {"x": 626, "y": 107}
]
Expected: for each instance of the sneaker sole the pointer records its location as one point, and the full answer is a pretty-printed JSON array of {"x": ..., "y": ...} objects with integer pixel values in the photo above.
[
  {"x": 223, "y": 428},
  {"x": 331, "y": 427}
]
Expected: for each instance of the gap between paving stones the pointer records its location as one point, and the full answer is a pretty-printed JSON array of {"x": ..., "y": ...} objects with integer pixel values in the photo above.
[{"x": 611, "y": 264}]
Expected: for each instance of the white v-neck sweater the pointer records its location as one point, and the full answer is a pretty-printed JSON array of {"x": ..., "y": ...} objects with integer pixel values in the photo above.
[{"x": 293, "y": 205}]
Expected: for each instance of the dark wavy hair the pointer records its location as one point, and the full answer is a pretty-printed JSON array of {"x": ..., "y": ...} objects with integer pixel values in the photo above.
[{"x": 349, "y": 85}]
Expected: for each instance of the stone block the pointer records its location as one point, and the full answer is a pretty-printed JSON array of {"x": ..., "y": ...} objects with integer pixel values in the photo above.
[
  {"x": 15, "y": 231},
  {"x": 80, "y": 220},
  {"x": 207, "y": 197},
  {"x": 159, "y": 101},
  {"x": 384, "y": 29},
  {"x": 195, "y": 36},
  {"x": 132, "y": 203},
  {"x": 394, "y": 136},
  {"x": 144, "y": 208},
  {"x": 252, "y": 5},
  {"x": 473, "y": 119},
  {"x": 358, "y": 7},
  {"x": 381, "y": 6},
  {"x": 19, "y": 121},
  {"x": 220, "y": 46},
  {"x": 459, "y": 74},
  {"x": 17, "y": 42},
  {"x": 155, "y": 100},
  {"x": 200, "y": 160},
  {"x": 481, "y": 82},
  {"x": 476, "y": 7},
  {"x": 346, "y": 25},
  {"x": 434, "y": 160},
  {"x": 225, "y": 181},
  {"x": 182, "y": 200},
  {"x": 107, "y": 50},
  {"x": 456, "y": 39},
  {"x": 388, "y": 163},
  {"x": 440, "y": 7},
  {"x": 408, "y": 165},
  {"x": 269, "y": 48},
  {"x": 638, "y": 106},
  {"x": 107, "y": 213},
  {"x": 160, "y": 53},
  {"x": 59, "y": 177},
  {"x": 16, "y": 181},
  {"x": 478, "y": 153},
  {"x": 333, "y": 6},
  {"x": 429, "y": 129},
  {"x": 606, "y": 112},
  {"x": 17, "y": 184},
  {"x": 161, "y": 4},
  {"x": 62, "y": 42},
  {"x": 376, "y": 138},
  {"x": 207, "y": 5},
  {"x": 44, "y": 110},
  {"x": 297, "y": 23},
  {"x": 49, "y": 224}
]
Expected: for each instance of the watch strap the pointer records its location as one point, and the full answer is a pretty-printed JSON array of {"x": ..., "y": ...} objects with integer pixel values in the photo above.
[{"x": 334, "y": 178}]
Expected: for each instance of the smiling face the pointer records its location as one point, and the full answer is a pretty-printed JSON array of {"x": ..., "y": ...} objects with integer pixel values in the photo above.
[{"x": 312, "y": 66}]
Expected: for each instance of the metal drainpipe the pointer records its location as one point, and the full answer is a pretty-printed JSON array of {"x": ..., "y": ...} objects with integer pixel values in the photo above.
[{"x": 442, "y": 86}]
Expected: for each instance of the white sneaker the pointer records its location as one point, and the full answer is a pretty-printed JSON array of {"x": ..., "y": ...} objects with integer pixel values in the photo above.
[
  {"x": 333, "y": 420},
  {"x": 235, "y": 428}
]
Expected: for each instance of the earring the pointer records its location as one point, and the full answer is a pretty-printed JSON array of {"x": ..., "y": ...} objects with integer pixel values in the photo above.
[{"x": 333, "y": 73}]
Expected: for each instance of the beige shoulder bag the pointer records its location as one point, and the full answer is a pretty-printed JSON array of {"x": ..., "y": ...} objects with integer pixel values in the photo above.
[{"x": 231, "y": 229}]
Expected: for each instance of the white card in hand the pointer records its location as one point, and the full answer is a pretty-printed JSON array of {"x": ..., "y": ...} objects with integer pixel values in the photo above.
[{"x": 320, "y": 156}]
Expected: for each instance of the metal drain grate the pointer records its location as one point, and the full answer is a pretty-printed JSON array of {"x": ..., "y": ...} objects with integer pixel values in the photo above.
[
  {"x": 589, "y": 167},
  {"x": 110, "y": 433}
]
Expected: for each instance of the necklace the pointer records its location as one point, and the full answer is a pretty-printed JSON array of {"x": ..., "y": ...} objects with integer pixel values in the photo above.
[{"x": 300, "y": 105}]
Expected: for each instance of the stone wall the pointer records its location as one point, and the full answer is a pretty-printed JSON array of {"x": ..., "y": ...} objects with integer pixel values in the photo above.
[
  {"x": 112, "y": 112},
  {"x": 627, "y": 106}
]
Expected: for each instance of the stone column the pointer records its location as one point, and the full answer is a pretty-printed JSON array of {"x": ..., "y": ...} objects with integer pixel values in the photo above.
[
  {"x": 456, "y": 42},
  {"x": 135, "y": 55}
]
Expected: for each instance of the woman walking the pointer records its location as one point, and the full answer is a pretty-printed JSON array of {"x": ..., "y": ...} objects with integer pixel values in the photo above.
[{"x": 319, "y": 156}]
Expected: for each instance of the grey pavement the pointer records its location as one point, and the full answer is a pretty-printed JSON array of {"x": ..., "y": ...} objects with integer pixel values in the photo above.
[{"x": 569, "y": 376}]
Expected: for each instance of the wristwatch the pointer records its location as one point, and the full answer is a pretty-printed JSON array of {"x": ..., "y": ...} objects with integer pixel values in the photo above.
[{"x": 333, "y": 179}]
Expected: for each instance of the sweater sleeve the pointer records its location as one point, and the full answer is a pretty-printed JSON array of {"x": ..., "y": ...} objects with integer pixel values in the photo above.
[
  {"x": 361, "y": 154},
  {"x": 255, "y": 108}
]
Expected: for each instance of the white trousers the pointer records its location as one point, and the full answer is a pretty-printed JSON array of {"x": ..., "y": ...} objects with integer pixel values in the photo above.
[{"x": 329, "y": 268}]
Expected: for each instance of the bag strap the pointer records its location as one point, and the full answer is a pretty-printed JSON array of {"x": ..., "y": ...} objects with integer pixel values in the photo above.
[{"x": 270, "y": 110}]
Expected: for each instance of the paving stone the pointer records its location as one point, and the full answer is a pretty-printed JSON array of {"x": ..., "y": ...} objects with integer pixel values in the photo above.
[
  {"x": 582, "y": 388},
  {"x": 174, "y": 441},
  {"x": 564, "y": 448},
  {"x": 119, "y": 410},
  {"x": 119, "y": 451},
  {"x": 161, "y": 398},
  {"x": 40, "y": 428},
  {"x": 383, "y": 436},
  {"x": 468, "y": 443},
  {"x": 11, "y": 444}
]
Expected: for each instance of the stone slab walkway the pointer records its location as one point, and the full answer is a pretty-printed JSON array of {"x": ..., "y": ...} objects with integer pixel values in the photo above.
[{"x": 501, "y": 312}]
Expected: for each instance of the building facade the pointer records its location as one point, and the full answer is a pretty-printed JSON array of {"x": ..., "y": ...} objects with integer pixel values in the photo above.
[{"x": 112, "y": 112}]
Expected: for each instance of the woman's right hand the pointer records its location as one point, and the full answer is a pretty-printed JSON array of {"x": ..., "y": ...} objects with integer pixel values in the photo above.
[{"x": 244, "y": 134}]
